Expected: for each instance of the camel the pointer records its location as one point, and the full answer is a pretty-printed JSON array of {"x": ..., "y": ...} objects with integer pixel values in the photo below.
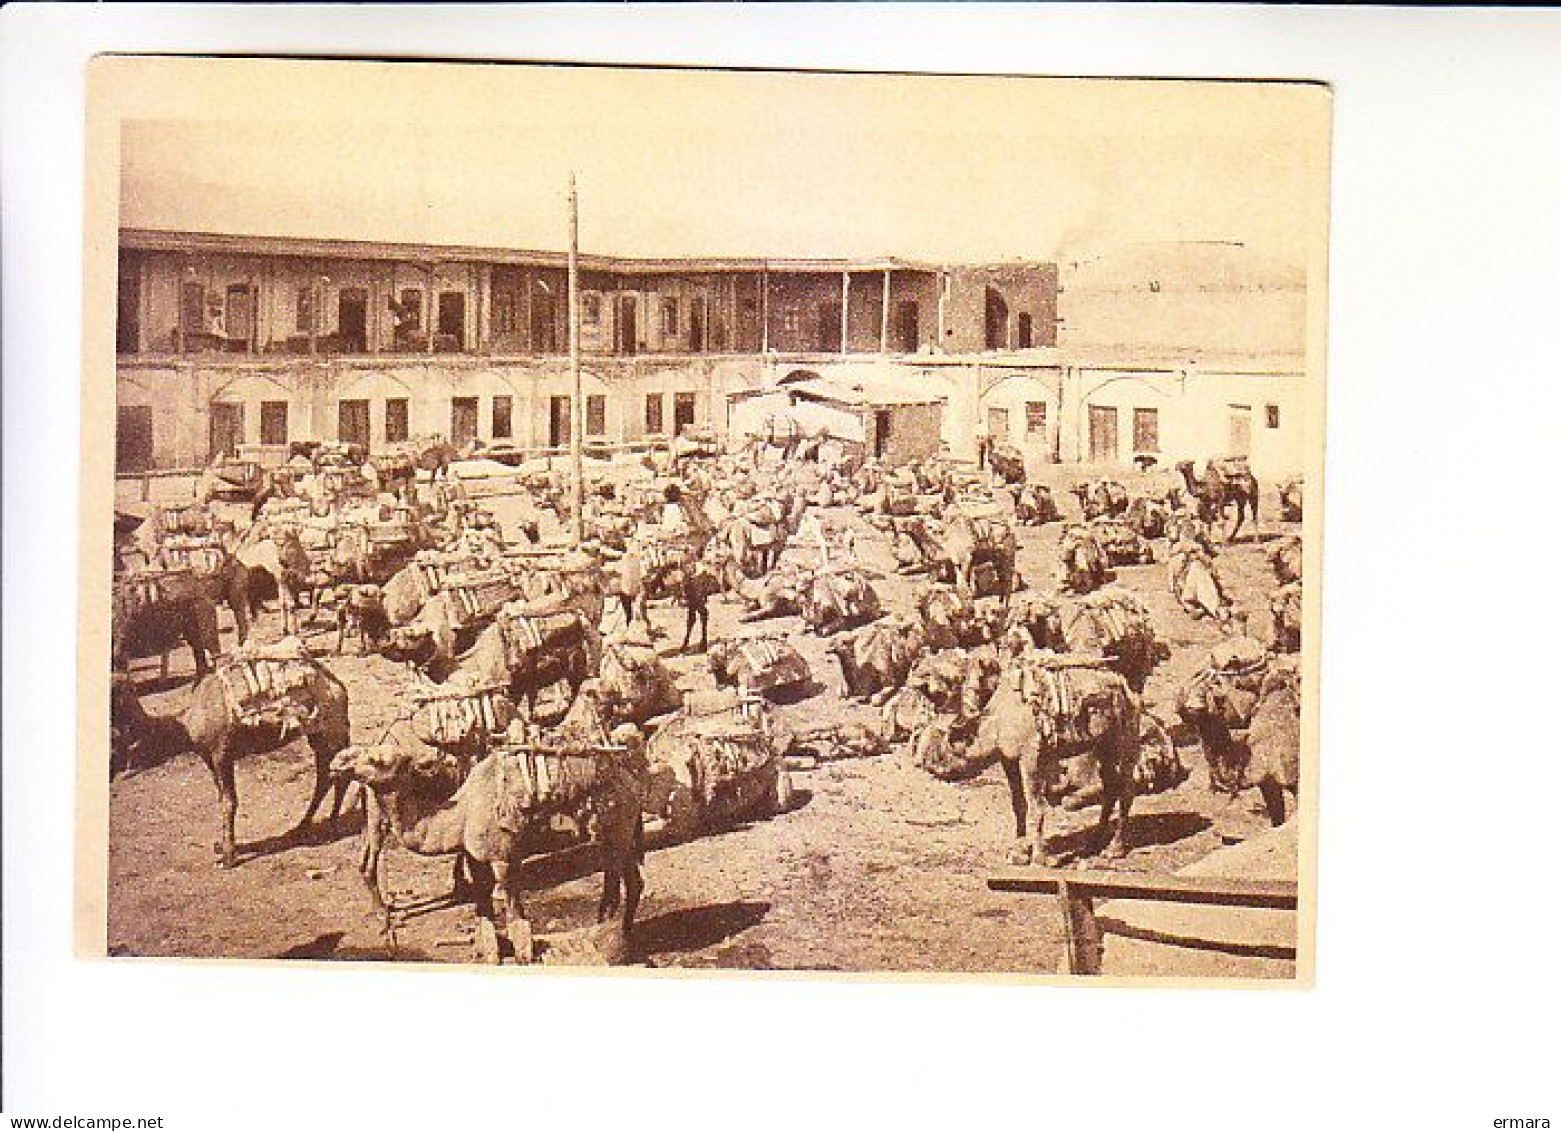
[
  {"x": 152, "y": 613},
  {"x": 214, "y": 727},
  {"x": 875, "y": 661},
  {"x": 1034, "y": 505},
  {"x": 1007, "y": 463},
  {"x": 1081, "y": 564},
  {"x": 759, "y": 666},
  {"x": 1284, "y": 557},
  {"x": 634, "y": 685},
  {"x": 839, "y": 598},
  {"x": 1224, "y": 484},
  {"x": 1122, "y": 542},
  {"x": 1248, "y": 723},
  {"x": 950, "y": 619},
  {"x": 1148, "y": 517},
  {"x": 1285, "y": 618},
  {"x": 279, "y": 551},
  {"x": 1085, "y": 752},
  {"x": 1292, "y": 494},
  {"x": 969, "y": 542},
  {"x": 1101, "y": 498},
  {"x": 496, "y": 818},
  {"x": 778, "y": 595}
]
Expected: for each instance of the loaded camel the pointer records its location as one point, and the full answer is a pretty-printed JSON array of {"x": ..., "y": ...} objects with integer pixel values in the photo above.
[
  {"x": 1225, "y": 483},
  {"x": 495, "y": 819},
  {"x": 220, "y": 731}
]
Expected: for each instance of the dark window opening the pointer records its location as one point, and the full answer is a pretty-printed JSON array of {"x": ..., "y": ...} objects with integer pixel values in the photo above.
[
  {"x": 1026, "y": 331},
  {"x": 352, "y": 319},
  {"x": 352, "y": 422},
  {"x": 669, "y": 317},
  {"x": 396, "y": 420},
  {"x": 463, "y": 420},
  {"x": 127, "y": 336},
  {"x": 192, "y": 308},
  {"x": 133, "y": 438},
  {"x": 239, "y": 314},
  {"x": 227, "y": 428},
  {"x": 682, "y": 412},
  {"x": 273, "y": 422},
  {"x": 654, "y": 403},
  {"x": 1146, "y": 430},
  {"x": 506, "y": 300},
  {"x": 696, "y": 328},
  {"x": 303, "y": 312},
  {"x": 908, "y": 327},
  {"x": 590, "y": 308},
  {"x": 1273, "y": 416},
  {"x": 829, "y": 327},
  {"x": 452, "y": 322},
  {"x": 558, "y": 422},
  {"x": 627, "y": 327},
  {"x": 596, "y": 415},
  {"x": 544, "y": 320},
  {"x": 503, "y": 425},
  {"x": 996, "y": 320}
]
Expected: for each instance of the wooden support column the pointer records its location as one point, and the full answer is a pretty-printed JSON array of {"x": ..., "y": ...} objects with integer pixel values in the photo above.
[
  {"x": 764, "y": 311},
  {"x": 943, "y": 290},
  {"x": 845, "y": 310},
  {"x": 883, "y": 326},
  {"x": 428, "y": 324}
]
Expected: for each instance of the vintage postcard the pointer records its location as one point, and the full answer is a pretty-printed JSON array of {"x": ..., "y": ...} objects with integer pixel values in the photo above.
[{"x": 695, "y": 520}]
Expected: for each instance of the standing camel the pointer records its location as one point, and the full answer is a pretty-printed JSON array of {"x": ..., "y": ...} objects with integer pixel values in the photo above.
[
  {"x": 1224, "y": 483},
  {"x": 497, "y": 817},
  {"x": 213, "y": 727}
]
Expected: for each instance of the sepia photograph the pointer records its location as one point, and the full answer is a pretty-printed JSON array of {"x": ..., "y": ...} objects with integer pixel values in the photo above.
[{"x": 704, "y": 520}]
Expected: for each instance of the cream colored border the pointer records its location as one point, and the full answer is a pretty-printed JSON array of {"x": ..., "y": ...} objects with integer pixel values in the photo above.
[{"x": 121, "y": 87}]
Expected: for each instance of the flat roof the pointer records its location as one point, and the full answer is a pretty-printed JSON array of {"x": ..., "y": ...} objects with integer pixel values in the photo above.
[{"x": 220, "y": 243}]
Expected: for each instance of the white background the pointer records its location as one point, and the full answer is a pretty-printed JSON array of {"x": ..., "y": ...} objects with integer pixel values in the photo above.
[{"x": 1438, "y": 929}]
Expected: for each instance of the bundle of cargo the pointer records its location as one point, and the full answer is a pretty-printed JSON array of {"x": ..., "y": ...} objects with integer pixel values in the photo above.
[
  {"x": 762, "y": 665},
  {"x": 272, "y": 685},
  {"x": 1082, "y": 566},
  {"x": 476, "y": 596},
  {"x": 144, "y": 588},
  {"x": 1123, "y": 544},
  {"x": 204, "y": 554},
  {"x": 189, "y": 518},
  {"x": 456, "y": 714},
  {"x": 528, "y": 629},
  {"x": 717, "y": 760}
]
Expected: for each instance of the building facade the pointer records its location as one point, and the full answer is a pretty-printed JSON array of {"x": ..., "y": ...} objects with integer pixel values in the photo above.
[{"x": 235, "y": 341}]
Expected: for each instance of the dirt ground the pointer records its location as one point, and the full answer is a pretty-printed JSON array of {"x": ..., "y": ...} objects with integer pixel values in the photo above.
[{"x": 877, "y": 867}]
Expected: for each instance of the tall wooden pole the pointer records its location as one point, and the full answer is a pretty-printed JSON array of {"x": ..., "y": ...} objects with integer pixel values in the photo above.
[{"x": 576, "y": 400}]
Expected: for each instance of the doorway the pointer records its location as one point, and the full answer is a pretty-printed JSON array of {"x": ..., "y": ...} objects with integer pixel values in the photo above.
[
  {"x": 133, "y": 438},
  {"x": 997, "y": 425},
  {"x": 627, "y": 328},
  {"x": 696, "y": 326},
  {"x": 907, "y": 324},
  {"x": 352, "y": 423},
  {"x": 463, "y": 420},
  {"x": 682, "y": 412},
  {"x": 227, "y": 428},
  {"x": 127, "y": 334},
  {"x": 558, "y": 422},
  {"x": 829, "y": 327},
  {"x": 882, "y": 420},
  {"x": 1103, "y": 434},
  {"x": 1240, "y": 430},
  {"x": 452, "y": 321},
  {"x": 352, "y": 319}
]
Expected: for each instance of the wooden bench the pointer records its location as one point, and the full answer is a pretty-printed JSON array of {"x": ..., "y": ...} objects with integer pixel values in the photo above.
[{"x": 1077, "y": 891}]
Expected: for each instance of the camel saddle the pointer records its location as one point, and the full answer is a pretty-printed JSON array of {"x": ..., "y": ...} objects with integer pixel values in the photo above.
[
  {"x": 1070, "y": 708},
  {"x": 525, "y": 633},
  {"x": 271, "y": 685},
  {"x": 447, "y": 715}
]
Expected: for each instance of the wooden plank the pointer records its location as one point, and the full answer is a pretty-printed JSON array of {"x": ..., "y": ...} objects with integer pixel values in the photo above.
[{"x": 1275, "y": 894}]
